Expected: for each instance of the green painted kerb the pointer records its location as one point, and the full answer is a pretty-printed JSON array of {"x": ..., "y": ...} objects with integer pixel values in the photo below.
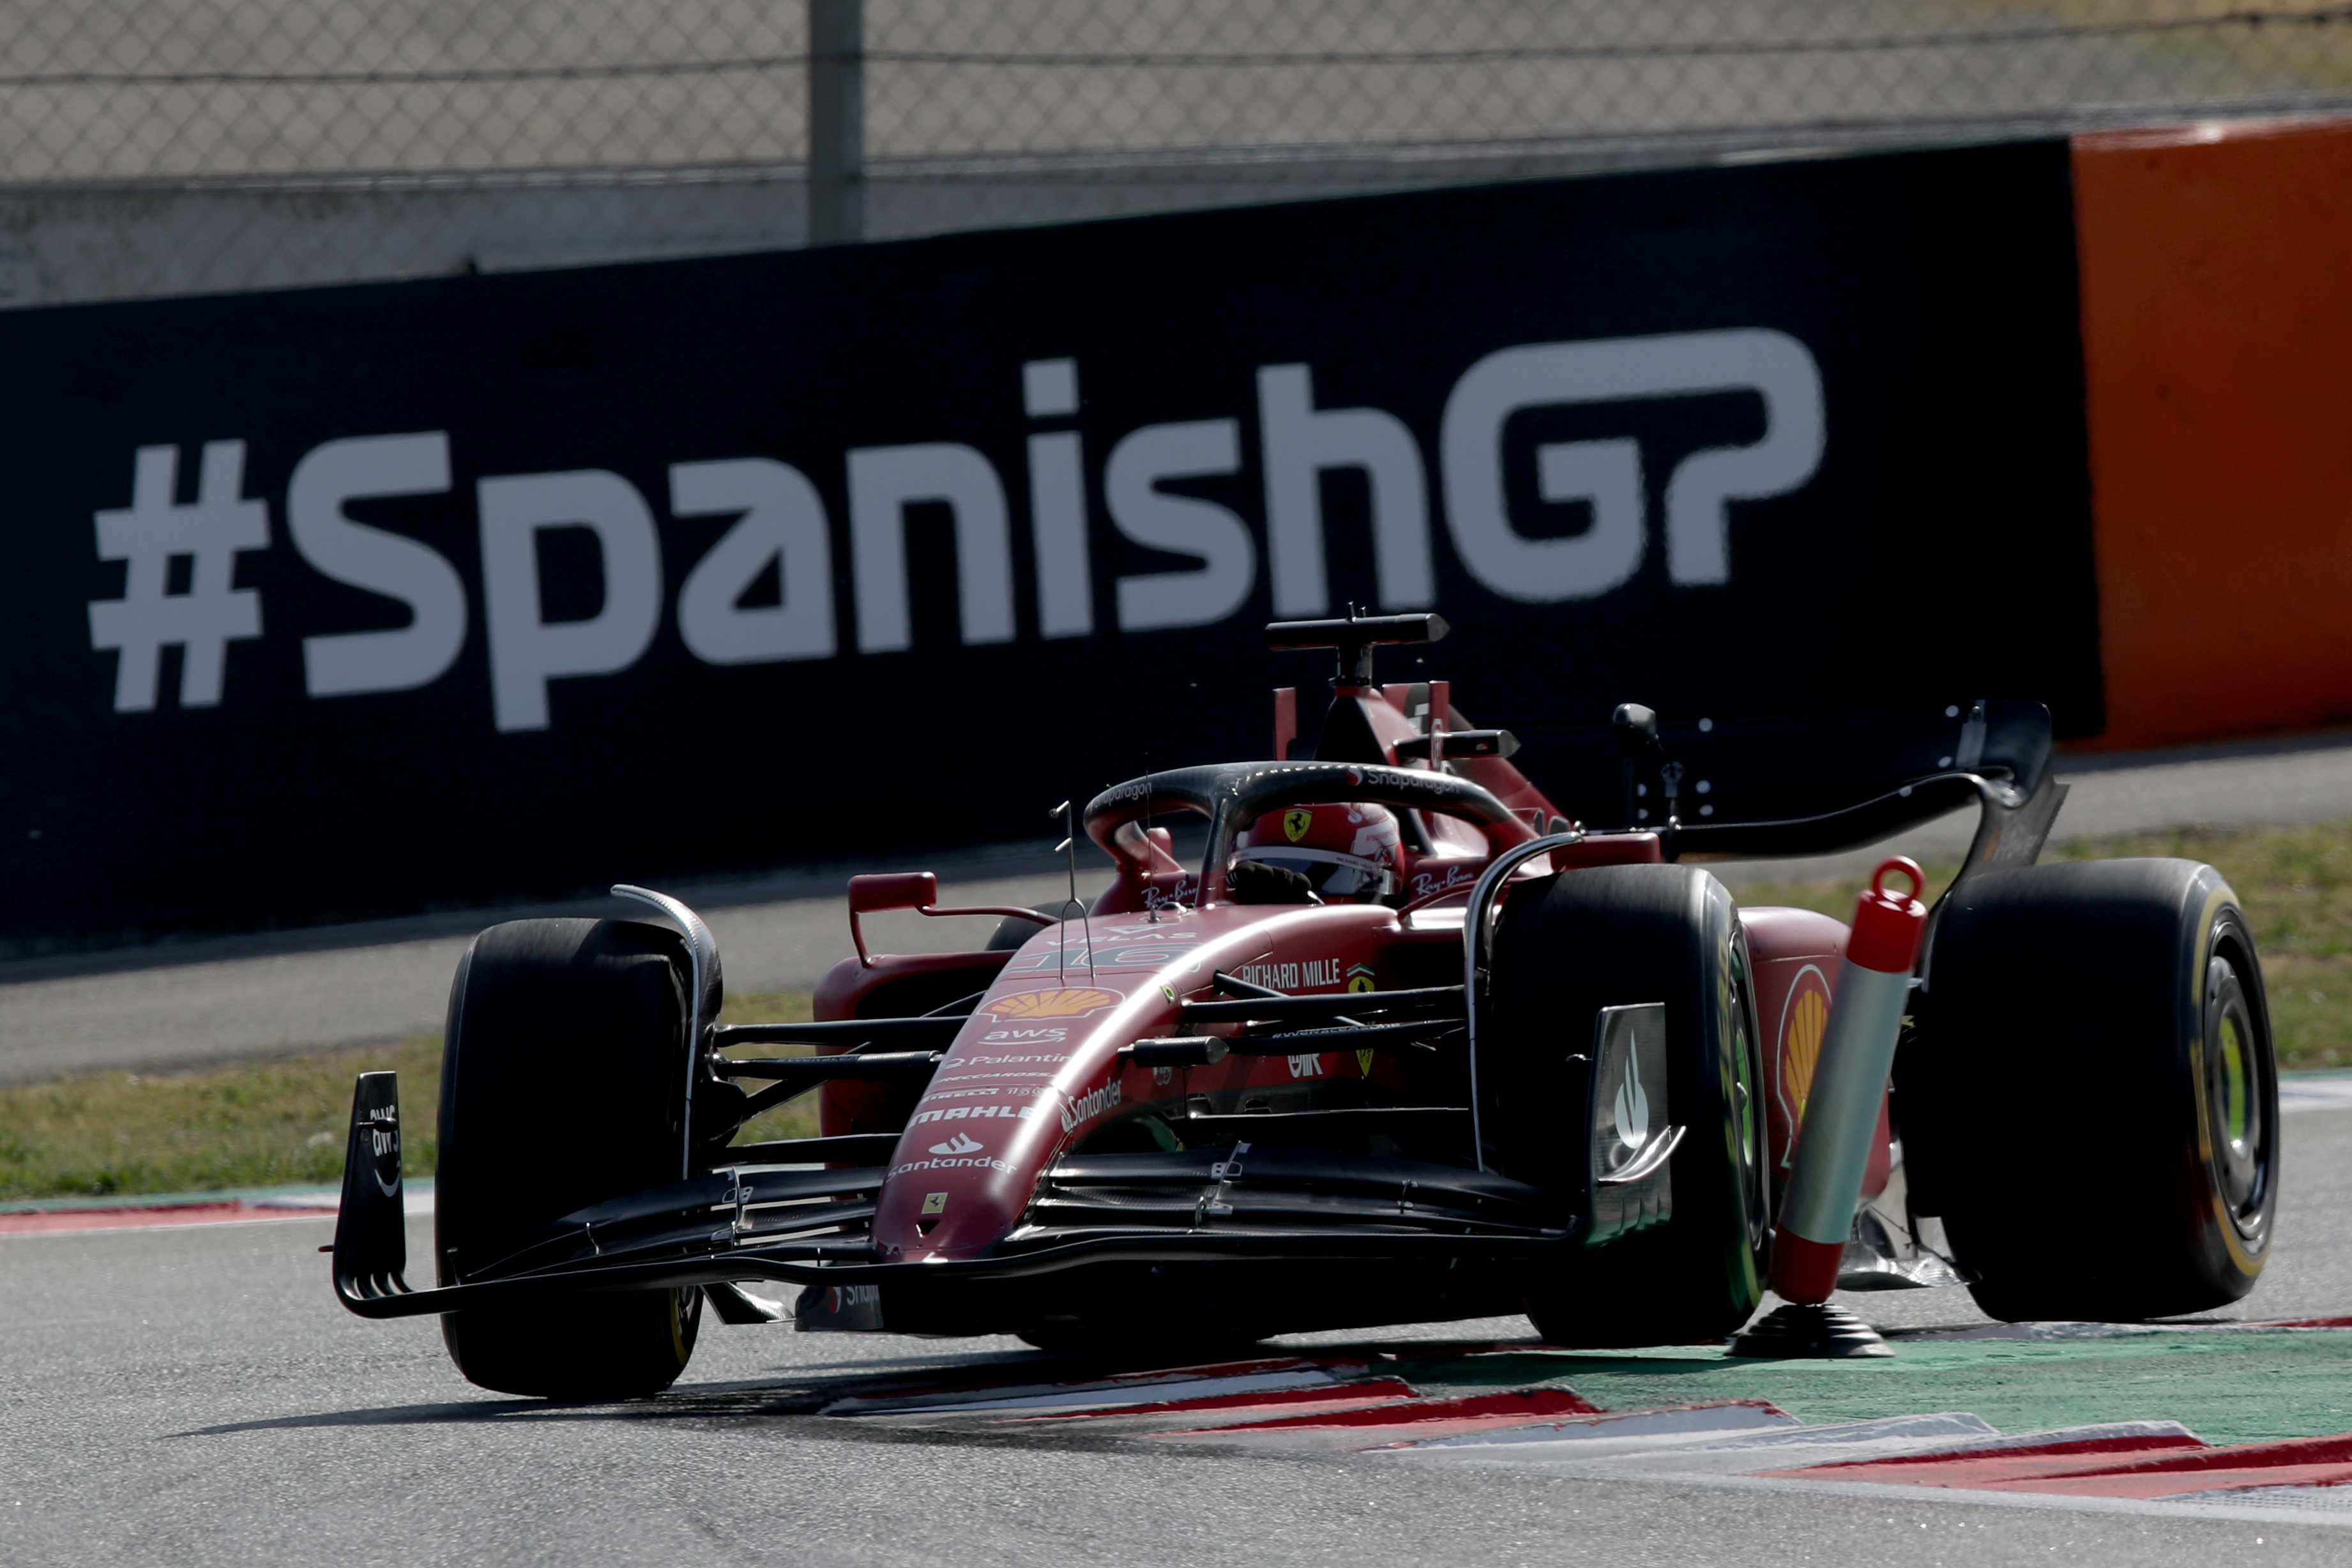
[{"x": 2226, "y": 1387}]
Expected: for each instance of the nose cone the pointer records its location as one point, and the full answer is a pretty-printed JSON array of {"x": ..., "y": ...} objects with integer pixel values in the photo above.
[
  {"x": 955, "y": 1188},
  {"x": 1038, "y": 1064}
]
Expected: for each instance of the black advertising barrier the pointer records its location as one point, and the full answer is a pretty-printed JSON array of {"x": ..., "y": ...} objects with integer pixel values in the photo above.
[{"x": 361, "y": 599}]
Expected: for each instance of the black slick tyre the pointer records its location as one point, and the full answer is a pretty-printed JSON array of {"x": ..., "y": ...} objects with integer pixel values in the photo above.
[
  {"x": 1566, "y": 948},
  {"x": 562, "y": 1084},
  {"x": 2090, "y": 1102}
]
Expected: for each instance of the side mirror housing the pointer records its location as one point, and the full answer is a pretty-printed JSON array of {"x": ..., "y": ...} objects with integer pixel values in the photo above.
[
  {"x": 1636, "y": 728},
  {"x": 894, "y": 890},
  {"x": 918, "y": 891}
]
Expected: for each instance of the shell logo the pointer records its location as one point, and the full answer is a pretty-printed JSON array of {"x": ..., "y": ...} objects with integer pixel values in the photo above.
[
  {"x": 1803, "y": 1018},
  {"x": 1059, "y": 1003}
]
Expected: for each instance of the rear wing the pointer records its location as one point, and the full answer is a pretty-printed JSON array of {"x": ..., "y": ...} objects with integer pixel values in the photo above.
[
  {"x": 1761, "y": 787},
  {"x": 1731, "y": 786}
]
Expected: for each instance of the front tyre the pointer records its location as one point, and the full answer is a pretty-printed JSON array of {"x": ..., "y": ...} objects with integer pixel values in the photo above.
[
  {"x": 562, "y": 1084},
  {"x": 1566, "y": 948},
  {"x": 2095, "y": 1045}
]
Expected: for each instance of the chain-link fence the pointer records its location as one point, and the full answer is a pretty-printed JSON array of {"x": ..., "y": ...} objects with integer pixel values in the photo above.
[{"x": 530, "y": 131}]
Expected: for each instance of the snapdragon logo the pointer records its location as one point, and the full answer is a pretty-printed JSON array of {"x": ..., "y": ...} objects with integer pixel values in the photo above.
[{"x": 780, "y": 529}]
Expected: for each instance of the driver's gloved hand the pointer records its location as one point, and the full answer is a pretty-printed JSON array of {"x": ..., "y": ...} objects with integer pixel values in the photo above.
[{"x": 1254, "y": 882}]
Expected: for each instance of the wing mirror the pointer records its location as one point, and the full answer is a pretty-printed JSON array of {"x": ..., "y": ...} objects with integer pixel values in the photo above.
[
  {"x": 897, "y": 890},
  {"x": 1636, "y": 728},
  {"x": 918, "y": 891}
]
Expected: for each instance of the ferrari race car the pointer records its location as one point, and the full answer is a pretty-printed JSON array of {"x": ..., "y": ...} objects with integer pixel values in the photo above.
[{"x": 1407, "y": 1042}]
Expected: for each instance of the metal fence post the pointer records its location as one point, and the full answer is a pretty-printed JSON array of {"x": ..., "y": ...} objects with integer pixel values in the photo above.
[{"x": 836, "y": 106}]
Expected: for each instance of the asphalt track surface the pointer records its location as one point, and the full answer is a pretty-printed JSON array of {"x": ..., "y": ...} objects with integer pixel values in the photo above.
[
  {"x": 195, "y": 1396},
  {"x": 188, "y": 1004}
]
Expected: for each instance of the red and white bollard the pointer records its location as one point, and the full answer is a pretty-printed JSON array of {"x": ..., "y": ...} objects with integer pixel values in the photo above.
[{"x": 1848, "y": 1082}]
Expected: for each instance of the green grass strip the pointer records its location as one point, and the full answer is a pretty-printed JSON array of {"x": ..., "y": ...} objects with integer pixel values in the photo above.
[
  {"x": 279, "y": 1122},
  {"x": 256, "y": 1124}
]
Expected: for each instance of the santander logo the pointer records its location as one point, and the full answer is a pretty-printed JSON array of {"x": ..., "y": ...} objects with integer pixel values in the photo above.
[{"x": 959, "y": 1144}]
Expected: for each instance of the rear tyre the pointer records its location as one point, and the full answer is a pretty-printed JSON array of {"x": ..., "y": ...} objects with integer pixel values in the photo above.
[
  {"x": 562, "y": 1084},
  {"x": 2096, "y": 1044},
  {"x": 1610, "y": 936}
]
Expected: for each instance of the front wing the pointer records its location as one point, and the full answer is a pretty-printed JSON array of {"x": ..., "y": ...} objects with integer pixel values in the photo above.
[{"x": 803, "y": 1227}]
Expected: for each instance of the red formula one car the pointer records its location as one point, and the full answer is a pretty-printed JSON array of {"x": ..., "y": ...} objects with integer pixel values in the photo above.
[{"x": 1405, "y": 1043}]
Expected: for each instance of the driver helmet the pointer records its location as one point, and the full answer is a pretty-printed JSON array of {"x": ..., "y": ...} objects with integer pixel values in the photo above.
[{"x": 1348, "y": 851}]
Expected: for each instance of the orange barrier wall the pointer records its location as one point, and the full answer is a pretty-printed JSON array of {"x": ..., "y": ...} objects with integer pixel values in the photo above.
[{"x": 2217, "y": 324}]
